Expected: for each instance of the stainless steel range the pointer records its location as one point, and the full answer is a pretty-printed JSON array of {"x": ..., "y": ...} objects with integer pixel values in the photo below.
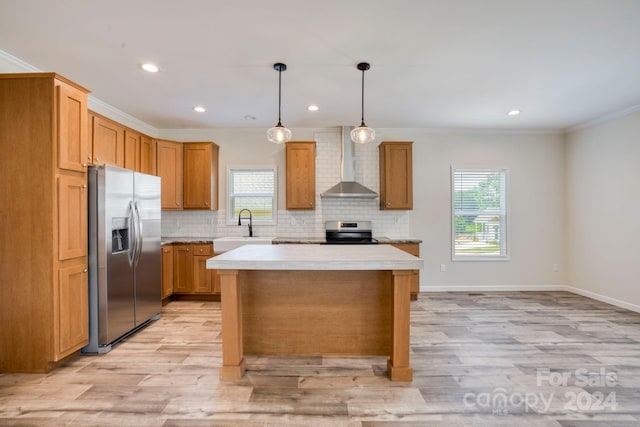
[{"x": 349, "y": 232}]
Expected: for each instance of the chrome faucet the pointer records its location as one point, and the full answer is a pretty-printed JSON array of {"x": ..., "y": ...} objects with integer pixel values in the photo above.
[{"x": 250, "y": 220}]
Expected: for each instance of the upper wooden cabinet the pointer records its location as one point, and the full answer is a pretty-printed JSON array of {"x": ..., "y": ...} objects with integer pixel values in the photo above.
[
  {"x": 200, "y": 174},
  {"x": 396, "y": 175},
  {"x": 108, "y": 142},
  {"x": 73, "y": 150},
  {"x": 301, "y": 175},
  {"x": 131, "y": 150},
  {"x": 43, "y": 221},
  {"x": 169, "y": 168},
  {"x": 147, "y": 155}
]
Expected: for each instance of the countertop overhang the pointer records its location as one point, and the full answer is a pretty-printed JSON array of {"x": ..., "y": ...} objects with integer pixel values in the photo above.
[{"x": 315, "y": 257}]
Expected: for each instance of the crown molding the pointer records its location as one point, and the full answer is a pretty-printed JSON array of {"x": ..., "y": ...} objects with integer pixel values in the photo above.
[
  {"x": 121, "y": 117},
  {"x": 18, "y": 63},
  {"x": 604, "y": 119}
]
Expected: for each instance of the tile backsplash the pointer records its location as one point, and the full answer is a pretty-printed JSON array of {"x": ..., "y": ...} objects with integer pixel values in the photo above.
[{"x": 299, "y": 223}]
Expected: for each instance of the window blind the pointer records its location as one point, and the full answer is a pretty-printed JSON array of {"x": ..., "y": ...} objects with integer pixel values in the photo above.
[{"x": 479, "y": 213}]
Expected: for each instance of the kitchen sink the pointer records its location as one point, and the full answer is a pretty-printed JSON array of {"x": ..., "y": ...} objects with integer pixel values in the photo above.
[{"x": 224, "y": 244}]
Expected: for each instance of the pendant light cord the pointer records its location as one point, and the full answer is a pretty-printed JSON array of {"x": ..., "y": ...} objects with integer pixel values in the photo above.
[
  {"x": 279, "y": 94},
  {"x": 362, "y": 109}
]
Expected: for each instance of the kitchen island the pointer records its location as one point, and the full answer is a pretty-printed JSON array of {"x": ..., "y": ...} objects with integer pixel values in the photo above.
[{"x": 343, "y": 300}]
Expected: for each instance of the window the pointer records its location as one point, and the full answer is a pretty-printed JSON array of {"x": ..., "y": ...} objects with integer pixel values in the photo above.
[
  {"x": 254, "y": 189},
  {"x": 479, "y": 198}
]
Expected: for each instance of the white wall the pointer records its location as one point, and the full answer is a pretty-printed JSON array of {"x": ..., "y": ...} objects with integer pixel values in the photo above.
[{"x": 603, "y": 207}]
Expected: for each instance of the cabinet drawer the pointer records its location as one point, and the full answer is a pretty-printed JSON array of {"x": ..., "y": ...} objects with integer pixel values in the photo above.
[{"x": 203, "y": 249}]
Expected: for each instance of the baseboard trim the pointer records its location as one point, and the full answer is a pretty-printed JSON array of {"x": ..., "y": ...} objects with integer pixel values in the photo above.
[{"x": 532, "y": 288}]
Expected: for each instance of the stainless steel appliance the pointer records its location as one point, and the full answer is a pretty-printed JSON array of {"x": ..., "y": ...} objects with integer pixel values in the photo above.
[
  {"x": 349, "y": 232},
  {"x": 124, "y": 254}
]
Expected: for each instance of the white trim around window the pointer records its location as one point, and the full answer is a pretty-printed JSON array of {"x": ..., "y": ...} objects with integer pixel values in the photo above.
[
  {"x": 479, "y": 214},
  {"x": 254, "y": 188}
]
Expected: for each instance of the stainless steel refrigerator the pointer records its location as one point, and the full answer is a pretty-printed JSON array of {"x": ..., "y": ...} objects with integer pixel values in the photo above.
[{"x": 124, "y": 254}]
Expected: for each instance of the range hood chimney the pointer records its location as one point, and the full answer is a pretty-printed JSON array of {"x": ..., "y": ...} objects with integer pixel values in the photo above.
[{"x": 348, "y": 187}]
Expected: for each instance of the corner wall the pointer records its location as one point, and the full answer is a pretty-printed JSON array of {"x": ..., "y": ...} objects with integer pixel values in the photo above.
[{"x": 603, "y": 210}]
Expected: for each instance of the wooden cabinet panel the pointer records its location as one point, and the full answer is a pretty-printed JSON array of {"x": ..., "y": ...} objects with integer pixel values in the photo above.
[
  {"x": 147, "y": 155},
  {"x": 72, "y": 310},
  {"x": 169, "y": 168},
  {"x": 202, "y": 283},
  {"x": 167, "y": 271},
  {"x": 182, "y": 269},
  {"x": 396, "y": 175},
  {"x": 72, "y": 142},
  {"x": 108, "y": 142},
  {"x": 200, "y": 175},
  {"x": 72, "y": 217},
  {"x": 131, "y": 150},
  {"x": 301, "y": 175}
]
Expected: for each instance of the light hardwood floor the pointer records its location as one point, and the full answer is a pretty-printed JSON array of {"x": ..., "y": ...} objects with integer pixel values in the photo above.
[{"x": 568, "y": 357}]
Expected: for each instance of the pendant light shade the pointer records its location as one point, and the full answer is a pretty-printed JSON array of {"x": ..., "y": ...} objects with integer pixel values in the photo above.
[
  {"x": 363, "y": 134},
  {"x": 279, "y": 134}
]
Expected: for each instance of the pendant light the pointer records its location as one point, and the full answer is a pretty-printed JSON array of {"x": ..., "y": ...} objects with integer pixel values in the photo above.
[
  {"x": 363, "y": 134},
  {"x": 279, "y": 134}
]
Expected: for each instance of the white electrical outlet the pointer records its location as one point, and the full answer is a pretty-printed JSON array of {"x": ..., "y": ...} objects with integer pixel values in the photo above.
[
  {"x": 443, "y": 268},
  {"x": 556, "y": 267},
  {"x": 293, "y": 220}
]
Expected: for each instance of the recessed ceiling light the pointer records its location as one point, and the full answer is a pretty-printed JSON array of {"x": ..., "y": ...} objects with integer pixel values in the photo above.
[
  {"x": 147, "y": 66},
  {"x": 513, "y": 113},
  {"x": 313, "y": 108},
  {"x": 199, "y": 109}
]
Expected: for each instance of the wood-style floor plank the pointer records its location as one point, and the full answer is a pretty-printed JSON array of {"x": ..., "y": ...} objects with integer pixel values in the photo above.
[{"x": 467, "y": 350}]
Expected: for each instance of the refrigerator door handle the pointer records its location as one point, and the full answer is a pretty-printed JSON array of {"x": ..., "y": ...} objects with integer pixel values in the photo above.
[
  {"x": 138, "y": 233},
  {"x": 131, "y": 252}
]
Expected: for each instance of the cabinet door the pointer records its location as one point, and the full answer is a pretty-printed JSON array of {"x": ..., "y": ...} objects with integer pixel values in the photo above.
[
  {"x": 108, "y": 142},
  {"x": 396, "y": 176},
  {"x": 182, "y": 269},
  {"x": 147, "y": 155},
  {"x": 131, "y": 150},
  {"x": 73, "y": 145},
  {"x": 167, "y": 271},
  {"x": 202, "y": 283},
  {"x": 169, "y": 168},
  {"x": 71, "y": 306},
  {"x": 200, "y": 166},
  {"x": 301, "y": 175},
  {"x": 72, "y": 217}
]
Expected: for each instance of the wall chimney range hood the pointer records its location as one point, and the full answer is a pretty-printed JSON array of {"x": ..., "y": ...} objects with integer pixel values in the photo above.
[{"x": 348, "y": 187}]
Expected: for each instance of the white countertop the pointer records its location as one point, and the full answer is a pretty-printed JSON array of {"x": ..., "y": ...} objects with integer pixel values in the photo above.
[{"x": 315, "y": 257}]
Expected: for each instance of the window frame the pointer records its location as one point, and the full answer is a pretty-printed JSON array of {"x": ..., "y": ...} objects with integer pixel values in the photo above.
[
  {"x": 230, "y": 220},
  {"x": 505, "y": 241}
]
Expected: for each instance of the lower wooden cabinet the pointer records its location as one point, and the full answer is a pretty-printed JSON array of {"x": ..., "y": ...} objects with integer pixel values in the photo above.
[
  {"x": 185, "y": 267},
  {"x": 71, "y": 310},
  {"x": 167, "y": 271}
]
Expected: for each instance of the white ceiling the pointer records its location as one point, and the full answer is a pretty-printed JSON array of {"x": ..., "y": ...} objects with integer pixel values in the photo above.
[{"x": 434, "y": 63}]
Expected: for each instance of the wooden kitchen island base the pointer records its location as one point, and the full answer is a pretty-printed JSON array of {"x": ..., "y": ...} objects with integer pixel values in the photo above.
[
  {"x": 333, "y": 300},
  {"x": 310, "y": 312}
]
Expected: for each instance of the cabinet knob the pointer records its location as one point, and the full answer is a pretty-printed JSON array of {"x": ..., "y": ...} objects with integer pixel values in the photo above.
[
  {"x": 206, "y": 204},
  {"x": 88, "y": 157},
  {"x": 85, "y": 270},
  {"x": 388, "y": 203},
  {"x": 201, "y": 251},
  {"x": 84, "y": 165},
  {"x": 84, "y": 185},
  {"x": 177, "y": 203},
  {"x": 97, "y": 159}
]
